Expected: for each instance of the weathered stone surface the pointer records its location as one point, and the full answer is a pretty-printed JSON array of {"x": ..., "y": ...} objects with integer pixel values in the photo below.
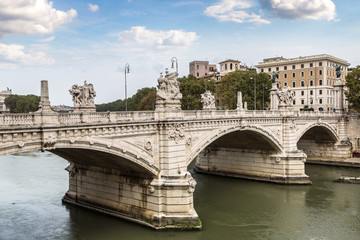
[{"x": 134, "y": 164}]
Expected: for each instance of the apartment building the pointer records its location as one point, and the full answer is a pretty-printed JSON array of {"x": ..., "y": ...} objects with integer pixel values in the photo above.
[
  {"x": 231, "y": 65},
  {"x": 311, "y": 77},
  {"x": 201, "y": 69}
]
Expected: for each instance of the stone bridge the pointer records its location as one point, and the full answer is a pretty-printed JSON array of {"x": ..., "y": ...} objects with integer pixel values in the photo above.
[{"x": 134, "y": 165}]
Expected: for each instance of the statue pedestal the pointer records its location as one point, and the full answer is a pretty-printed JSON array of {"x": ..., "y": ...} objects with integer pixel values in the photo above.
[
  {"x": 338, "y": 96},
  {"x": 274, "y": 102},
  {"x": 168, "y": 109},
  {"x": 85, "y": 108}
]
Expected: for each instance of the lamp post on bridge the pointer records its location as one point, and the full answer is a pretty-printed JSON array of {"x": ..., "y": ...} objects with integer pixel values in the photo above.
[{"x": 127, "y": 70}]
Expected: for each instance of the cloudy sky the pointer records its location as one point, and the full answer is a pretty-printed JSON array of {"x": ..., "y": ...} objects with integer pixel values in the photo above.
[{"x": 67, "y": 42}]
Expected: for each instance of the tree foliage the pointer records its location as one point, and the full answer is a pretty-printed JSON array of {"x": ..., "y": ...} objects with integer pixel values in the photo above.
[
  {"x": 353, "y": 85},
  {"x": 22, "y": 103},
  {"x": 191, "y": 89},
  {"x": 134, "y": 102},
  {"x": 244, "y": 82}
]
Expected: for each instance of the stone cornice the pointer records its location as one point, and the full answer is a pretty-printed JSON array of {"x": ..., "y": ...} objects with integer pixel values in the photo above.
[{"x": 314, "y": 58}]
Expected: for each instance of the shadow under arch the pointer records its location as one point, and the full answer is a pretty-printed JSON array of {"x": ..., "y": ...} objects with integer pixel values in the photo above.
[
  {"x": 321, "y": 131},
  {"x": 249, "y": 137},
  {"x": 319, "y": 142},
  {"x": 119, "y": 156}
]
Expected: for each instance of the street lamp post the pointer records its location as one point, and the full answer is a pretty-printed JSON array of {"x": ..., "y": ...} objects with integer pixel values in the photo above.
[
  {"x": 127, "y": 70},
  {"x": 174, "y": 60}
]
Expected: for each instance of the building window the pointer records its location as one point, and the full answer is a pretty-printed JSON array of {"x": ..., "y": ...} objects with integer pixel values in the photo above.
[
  {"x": 269, "y": 69},
  {"x": 320, "y": 92},
  {"x": 205, "y": 67},
  {"x": 311, "y": 83},
  {"x": 294, "y": 102},
  {"x": 197, "y": 67},
  {"x": 262, "y": 70},
  {"x": 320, "y": 72},
  {"x": 302, "y": 83},
  {"x": 311, "y": 64},
  {"x": 302, "y": 93},
  {"x": 302, "y": 101},
  {"x": 225, "y": 66},
  {"x": 294, "y": 84},
  {"x": 277, "y": 68},
  {"x": 320, "y": 82},
  {"x": 311, "y": 92},
  {"x": 285, "y": 67},
  {"x": 197, "y": 74},
  {"x": 285, "y": 75},
  {"x": 302, "y": 74},
  {"x": 293, "y": 66},
  {"x": 285, "y": 84},
  {"x": 302, "y": 65},
  {"x": 277, "y": 84},
  {"x": 320, "y": 101},
  {"x": 320, "y": 64},
  {"x": 294, "y": 75},
  {"x": 311, "y": 72},
  {"x": 230, "y": 66},
  {"x": 205, "y": 74},
  {"x": 236, "y": 67}
]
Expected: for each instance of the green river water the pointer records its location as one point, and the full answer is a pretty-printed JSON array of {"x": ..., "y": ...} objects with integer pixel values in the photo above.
[{"x": 32, "y": 185}]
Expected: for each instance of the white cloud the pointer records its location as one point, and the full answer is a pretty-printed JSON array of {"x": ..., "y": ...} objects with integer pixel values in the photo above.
[
  {"x": 93, "y": 7},
  {"x": 301, "y": 9},
  {"x": 158, "y": 39},
  {"x": 14, "y": 54},
  {"x": 31, "y": 17},
  {"x": 49, "y": 39},
  {"x": 234, "y": 10}
]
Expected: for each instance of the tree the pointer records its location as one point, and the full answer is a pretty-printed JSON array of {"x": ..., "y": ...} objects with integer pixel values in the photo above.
[
  {"x": 22, "y": 104},
  {"x": 148, "y": 102},
  {"x": 191, "y": 89},
  {"x": 244, "y": 82},
  {"x": 120, "y": 105},
  {"x": 353, "y": 85}
]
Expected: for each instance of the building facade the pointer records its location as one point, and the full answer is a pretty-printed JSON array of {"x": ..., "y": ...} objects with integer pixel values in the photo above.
[
  {"x": 202, "y": 69},
  {"x": 4, "y": 94},
  {"x": 311, "y": 77},
  {"x": 231, "y": 65}
]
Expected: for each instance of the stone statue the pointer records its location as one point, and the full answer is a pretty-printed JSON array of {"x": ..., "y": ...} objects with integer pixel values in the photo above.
[
  {"x": 285, "y": 96},
  {"x": 168, "y": 87},
  {"x": 208, "y": 101},
  {"x": 168, "y": 93},
  {"x": 338, "y": 70},
  {"x": 83, "y": 96},
  {"x": 275, "y": 75}
]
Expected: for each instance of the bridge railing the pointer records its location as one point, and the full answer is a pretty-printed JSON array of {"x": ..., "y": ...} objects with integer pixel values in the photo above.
[{"x": 17, "y": 119}]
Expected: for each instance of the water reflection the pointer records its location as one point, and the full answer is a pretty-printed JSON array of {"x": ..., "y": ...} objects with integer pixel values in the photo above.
[{"x": 32, "y": 185}]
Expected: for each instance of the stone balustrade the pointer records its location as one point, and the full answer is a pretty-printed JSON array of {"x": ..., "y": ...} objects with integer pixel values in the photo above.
[{"x": 105, "y": 117}]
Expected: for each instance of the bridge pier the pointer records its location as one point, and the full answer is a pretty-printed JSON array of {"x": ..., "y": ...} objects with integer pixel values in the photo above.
[
  {"x": 254, "y": 164},
  {"x": 160, "y": 202}
]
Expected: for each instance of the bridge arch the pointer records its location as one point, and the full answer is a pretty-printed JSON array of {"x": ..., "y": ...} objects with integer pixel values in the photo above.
[
  {"x": 257, "y": 132},
  {"x": 101, "y": 153},
  {"x": 320, "y": 126}
]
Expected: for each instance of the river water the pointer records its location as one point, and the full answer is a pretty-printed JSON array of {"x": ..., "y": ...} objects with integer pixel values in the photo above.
[{"x": 32, "y": 185}]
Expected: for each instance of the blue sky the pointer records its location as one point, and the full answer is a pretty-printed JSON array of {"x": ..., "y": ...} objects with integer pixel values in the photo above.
[{"x": 67, "y": 42}]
